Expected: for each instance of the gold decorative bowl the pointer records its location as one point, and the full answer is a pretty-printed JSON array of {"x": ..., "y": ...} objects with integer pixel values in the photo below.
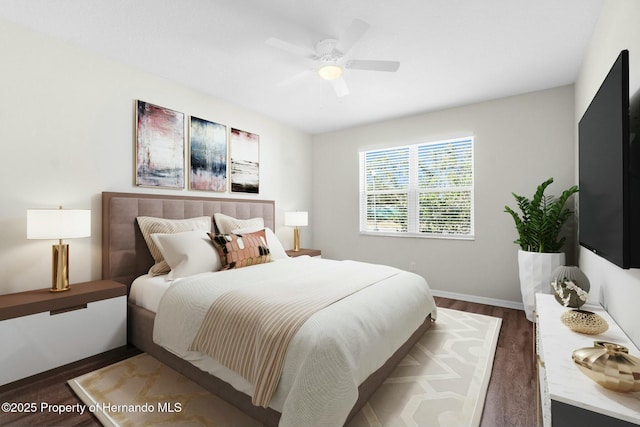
[
  {"x": 584, "y": 322},
  {"x": 609, "y": 365}
]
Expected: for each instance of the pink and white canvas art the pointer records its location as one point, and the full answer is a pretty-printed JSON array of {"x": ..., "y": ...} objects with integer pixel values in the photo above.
[{"x": 159, "y": 146}]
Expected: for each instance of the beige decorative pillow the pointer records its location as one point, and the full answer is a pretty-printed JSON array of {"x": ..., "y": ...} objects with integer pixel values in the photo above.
[
  {"x": 227, "y": 224},
  {"x": 150, "y": 225},
  {"x": 241, "y": 250}
]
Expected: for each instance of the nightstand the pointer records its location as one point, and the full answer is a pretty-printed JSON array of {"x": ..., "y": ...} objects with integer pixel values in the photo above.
[
  {"x": 302, "y": 251},
  {"x": 41, "y": 330}
]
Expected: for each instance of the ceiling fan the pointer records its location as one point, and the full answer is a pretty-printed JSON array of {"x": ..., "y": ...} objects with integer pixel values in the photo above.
[{"x": 329, "y": 56}]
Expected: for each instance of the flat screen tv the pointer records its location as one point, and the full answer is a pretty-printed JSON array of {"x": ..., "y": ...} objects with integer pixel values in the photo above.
[{"x": 609, "y": 198}]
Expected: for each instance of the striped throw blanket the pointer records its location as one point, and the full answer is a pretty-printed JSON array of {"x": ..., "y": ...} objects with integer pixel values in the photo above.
[{"x": 249, "y": 330}]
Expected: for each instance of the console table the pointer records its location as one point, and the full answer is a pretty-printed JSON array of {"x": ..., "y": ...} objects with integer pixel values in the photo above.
[{"x": 568, "y": 397}]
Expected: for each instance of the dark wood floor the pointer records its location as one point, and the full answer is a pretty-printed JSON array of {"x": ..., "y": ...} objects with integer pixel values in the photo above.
[
  {"x": 52, "y": 388},
  {"x": 511, "y": 398},
  {"x": 512, "y": 395}
]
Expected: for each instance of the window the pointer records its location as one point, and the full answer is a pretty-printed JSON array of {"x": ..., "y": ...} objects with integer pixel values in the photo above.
[{"x": 423, "y": 190}]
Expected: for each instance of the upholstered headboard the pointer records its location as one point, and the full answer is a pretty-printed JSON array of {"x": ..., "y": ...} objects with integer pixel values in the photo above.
[{"x": 125, "y": 255}]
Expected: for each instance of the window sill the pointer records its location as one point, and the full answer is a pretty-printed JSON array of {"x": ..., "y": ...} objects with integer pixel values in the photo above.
[{"x": 416, "y": 235}]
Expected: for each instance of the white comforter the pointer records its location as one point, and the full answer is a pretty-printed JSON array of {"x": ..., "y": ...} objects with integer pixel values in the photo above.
[{"x": 332, "y": 353}]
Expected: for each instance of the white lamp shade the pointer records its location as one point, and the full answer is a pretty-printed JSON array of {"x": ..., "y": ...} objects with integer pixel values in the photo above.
[
  {"x": 296, "y": 219},
  {"x": 58, "y": 224}
]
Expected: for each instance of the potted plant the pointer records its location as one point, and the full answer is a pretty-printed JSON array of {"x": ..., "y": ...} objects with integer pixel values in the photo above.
[{"x": 539, "y": 238}]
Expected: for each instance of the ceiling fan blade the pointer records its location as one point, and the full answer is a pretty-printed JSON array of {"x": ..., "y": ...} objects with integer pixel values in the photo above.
[
  {"x": 296, "y": 77},
  {"x": 290, "y": 47},
  {"x": 373, "y": 65},
  {"x": 355, "y": 31},
  {"x": 340, "y": 87}
]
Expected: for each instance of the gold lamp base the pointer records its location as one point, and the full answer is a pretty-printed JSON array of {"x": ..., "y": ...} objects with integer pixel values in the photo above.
[
  {"x": 60, "y": 268},
  {"x": 296, "y": 239}
]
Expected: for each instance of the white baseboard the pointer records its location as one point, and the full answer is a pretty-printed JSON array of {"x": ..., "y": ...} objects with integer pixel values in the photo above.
[{"x": 480, "y": 300}]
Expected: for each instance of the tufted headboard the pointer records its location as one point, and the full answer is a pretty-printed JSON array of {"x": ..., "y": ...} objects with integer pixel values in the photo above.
[{"x": 125, "y": 255}]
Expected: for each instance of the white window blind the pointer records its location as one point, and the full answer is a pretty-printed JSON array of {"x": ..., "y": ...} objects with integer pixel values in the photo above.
[{"x": 418, "y": 190}]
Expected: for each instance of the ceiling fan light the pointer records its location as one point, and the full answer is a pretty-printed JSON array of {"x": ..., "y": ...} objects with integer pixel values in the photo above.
[{"x": 330, "y": 71}]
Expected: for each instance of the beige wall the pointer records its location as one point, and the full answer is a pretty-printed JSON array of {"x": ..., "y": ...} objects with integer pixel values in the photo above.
[
  {"x": 66, "y": 135},
  {"x": 617, "y": 29},
  {"x": 519, "y": 142}
]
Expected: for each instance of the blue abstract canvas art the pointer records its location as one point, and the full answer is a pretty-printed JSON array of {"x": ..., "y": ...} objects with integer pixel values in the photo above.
[{"x": 208, "y": 155}]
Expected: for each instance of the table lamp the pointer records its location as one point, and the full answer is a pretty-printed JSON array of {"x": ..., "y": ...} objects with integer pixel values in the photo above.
[
  {"x": 295, "y": 220},
  {"x": 58, "y": 224}
]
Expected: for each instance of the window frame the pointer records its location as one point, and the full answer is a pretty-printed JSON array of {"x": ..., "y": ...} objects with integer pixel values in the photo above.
[{"x": 414, "y": 191}]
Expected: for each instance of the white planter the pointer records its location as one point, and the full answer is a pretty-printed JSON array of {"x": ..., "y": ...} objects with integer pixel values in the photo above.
[{"x": 535, "y": 276}]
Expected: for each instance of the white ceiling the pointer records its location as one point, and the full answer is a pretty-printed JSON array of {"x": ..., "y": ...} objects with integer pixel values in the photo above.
[{"x": 452, "y": 52}]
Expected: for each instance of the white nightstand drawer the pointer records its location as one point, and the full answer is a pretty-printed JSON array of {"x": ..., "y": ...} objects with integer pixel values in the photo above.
[{"x": 39, "y": 342}]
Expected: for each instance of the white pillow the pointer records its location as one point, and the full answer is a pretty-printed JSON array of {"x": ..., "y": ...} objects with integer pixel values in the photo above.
[
  {"x": 274, "y": 244},
  {"x": 228, "y": 224},
  {"x": 187, "y": 253},
  {"x": 150, "y": 225}
]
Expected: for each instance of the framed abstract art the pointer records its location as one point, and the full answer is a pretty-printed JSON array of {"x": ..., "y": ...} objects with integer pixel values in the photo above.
[
  {"x": 159, "y": 146},
  {"x": 245, "y": 161},
  {"x": 207, "y": 155}
]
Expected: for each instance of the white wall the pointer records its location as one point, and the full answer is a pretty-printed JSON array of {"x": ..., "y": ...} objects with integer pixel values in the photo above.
[
  {"x": 67, "y": 134},
  {"x": 617, "y": 29},
  {"x": 519, "y": 142}
]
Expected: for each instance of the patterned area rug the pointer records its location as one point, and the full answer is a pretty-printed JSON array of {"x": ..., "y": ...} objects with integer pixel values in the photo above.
[{"x": 442, "y": 382}]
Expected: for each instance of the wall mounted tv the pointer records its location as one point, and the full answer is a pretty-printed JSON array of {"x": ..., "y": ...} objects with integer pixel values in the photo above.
[{"x": 609, "y": 169}]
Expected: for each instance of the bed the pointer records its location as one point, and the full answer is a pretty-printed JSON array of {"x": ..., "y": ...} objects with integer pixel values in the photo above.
[{"x": 126, "y": 258}]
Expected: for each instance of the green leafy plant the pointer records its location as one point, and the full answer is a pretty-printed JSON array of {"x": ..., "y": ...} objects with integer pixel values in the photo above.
[{"x": 542, "y": 219}]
